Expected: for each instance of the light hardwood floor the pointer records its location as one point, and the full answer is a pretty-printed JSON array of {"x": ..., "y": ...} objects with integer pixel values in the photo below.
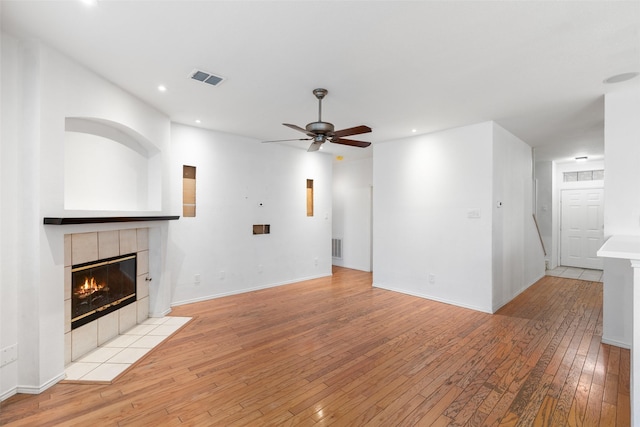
[{"x": 337, "y": 351}]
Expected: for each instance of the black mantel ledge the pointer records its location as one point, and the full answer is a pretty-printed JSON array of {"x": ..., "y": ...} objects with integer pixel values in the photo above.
[{"x": 105, "y": 219}]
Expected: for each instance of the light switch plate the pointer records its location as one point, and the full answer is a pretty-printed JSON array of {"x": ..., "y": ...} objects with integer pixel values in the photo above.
[
  {"x": 9, "y": 354},
  {"x": 473, "y": 213}
]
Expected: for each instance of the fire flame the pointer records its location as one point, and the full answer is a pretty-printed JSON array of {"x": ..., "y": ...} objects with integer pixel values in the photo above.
[{"x": 90, "y": 286}]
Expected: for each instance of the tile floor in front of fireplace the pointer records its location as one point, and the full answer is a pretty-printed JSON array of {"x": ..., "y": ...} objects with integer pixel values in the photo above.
[{"x": 114, "y": 357}]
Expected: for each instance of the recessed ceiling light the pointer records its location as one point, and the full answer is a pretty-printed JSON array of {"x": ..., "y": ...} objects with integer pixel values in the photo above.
[
  {"x": 339, "y": 158},
  {"x": 198, "y": 121},
  {"x": 618, "y": 78},
  {"x": 89, "y": 2},
  {"x": 414, "y": 130},
  {"x": 162, "y": 88}
]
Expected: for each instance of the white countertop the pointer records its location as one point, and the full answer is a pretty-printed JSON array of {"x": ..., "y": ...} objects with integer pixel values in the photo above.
[{"x": 626, "y": 247}]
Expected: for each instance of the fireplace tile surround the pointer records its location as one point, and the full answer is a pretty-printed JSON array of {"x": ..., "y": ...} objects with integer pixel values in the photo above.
[{"x": 92, "y": 246}]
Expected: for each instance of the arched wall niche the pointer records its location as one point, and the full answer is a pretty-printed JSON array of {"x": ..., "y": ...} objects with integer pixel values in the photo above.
[{"x": 109, "y": 167}]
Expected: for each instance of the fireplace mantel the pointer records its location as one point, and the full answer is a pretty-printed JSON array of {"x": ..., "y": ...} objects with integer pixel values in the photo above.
[{"x": 104, "y": 219}]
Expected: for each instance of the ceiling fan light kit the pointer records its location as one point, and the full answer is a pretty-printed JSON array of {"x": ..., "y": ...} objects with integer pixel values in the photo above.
[{"x": 319, "y": 132}]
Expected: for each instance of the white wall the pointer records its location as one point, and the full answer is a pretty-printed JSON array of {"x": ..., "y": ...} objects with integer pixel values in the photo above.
[
  {"x": 544, "y": 174},
  {"x": 621, "y": 208},
  {"x": 103, "y": 175},
  {"x": 518, "y": 257},
  {"x": 20, "y": 204},
  {"x": 46, "y": 88},
  {"x": 438, "y": 232},
  {"x": 424, "y": 188},
  {"x": 69, "y": 90},
  {"x": 9, "y": 206},
  {"x": 352, "y": 199},
  {"x": 241, "y": 182},
  {"x": 41, "y": 89}
]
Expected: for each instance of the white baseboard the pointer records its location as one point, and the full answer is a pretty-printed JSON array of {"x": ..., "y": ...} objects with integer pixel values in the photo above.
[
  {"x": 432, "y": 298},
  {"x": 7, "y": 394},
  {"x": 24, "y": 389},
  {"x": 498, "y": 306},
  {"x": 160, "y": 314},
  {"x": 41, "y": 388},
  {"x": 242, "y": 291},
  {"x": 616, "y": 343}
]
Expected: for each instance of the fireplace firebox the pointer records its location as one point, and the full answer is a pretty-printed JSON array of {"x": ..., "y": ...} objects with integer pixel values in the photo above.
[{"x": 101, "y": 287}]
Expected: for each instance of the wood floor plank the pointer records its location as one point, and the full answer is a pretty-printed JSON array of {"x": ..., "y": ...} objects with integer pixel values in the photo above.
[
  {"x": 543, "y": 417},
  {"x": 608, "y": 415},
  {"x": 435, "y": 412},
  {"x": 579, "y": 405},
  {"x": 337, "y": 351},
  {"x": 594, "y": 405},
  {"x": 568, "y": 394},
  {"x": 623, "y": 411}
]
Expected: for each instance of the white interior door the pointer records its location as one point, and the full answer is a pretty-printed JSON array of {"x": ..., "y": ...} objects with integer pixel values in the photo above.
[{"x": 582, "y": 228}]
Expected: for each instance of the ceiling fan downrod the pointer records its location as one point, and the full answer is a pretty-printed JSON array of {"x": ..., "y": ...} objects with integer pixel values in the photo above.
[{"x": 320, "y": 93}]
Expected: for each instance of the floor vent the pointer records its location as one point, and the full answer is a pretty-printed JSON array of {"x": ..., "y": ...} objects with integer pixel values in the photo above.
[
  {"x": 206, "y": 77},
  {"x": 336, "y": 248}
]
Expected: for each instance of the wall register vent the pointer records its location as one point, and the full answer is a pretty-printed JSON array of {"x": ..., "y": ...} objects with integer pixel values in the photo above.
[
  {"x": 206, "y": 77},
  {"x": 336, "y": 248}
]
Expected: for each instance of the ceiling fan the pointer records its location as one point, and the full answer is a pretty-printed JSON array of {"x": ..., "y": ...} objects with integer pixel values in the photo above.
[{"x": 320, "y": 131}]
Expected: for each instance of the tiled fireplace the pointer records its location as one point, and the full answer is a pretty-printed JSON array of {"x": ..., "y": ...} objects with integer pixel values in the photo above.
[{"x": 85, "y": 248}]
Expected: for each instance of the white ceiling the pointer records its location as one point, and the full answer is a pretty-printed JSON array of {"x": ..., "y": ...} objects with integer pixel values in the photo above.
[{"x": 535, "y": 67}]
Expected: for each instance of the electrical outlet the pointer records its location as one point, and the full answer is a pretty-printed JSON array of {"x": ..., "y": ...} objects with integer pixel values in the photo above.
[
  {"x": 315, "y": 261},
  {"x": 259, "y": 268},
  {"x": 221, "y": 274},
  {"x": 432, "y": 278},
  {"x": 196, "y": 278},
  {"x": 8, "y": 355}
]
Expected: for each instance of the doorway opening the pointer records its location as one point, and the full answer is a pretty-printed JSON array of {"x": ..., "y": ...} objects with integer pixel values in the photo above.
[{"x": 581, "y": 227}]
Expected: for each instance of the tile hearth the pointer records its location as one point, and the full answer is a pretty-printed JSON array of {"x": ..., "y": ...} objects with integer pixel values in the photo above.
[{"x": 114, "y": 357}]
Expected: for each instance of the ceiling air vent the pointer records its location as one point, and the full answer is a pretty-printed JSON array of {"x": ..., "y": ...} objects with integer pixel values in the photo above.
[{"x": 206, "y": 77}]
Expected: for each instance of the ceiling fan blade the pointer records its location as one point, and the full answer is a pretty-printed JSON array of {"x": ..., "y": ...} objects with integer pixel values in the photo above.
[
  {"x": 315, "y": 146},
  {"x": 351, "y": 142},
  {"x": 285, "y": 140},
  {"x": 299, "y": 129},
  {"x": 352, "y": 131}
]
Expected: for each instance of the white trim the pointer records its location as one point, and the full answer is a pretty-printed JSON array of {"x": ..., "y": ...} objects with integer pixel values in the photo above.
[
  {"x": 616, "y": 343},
  {"x": 161, "y": 314},
  {"x": 242, "y": 291},
  {"x": 432, "y": 298},
  {"x": 37, "y": 390},
  {"x": 7, "y": 394},
  {"x": 497, "y": 307}
]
